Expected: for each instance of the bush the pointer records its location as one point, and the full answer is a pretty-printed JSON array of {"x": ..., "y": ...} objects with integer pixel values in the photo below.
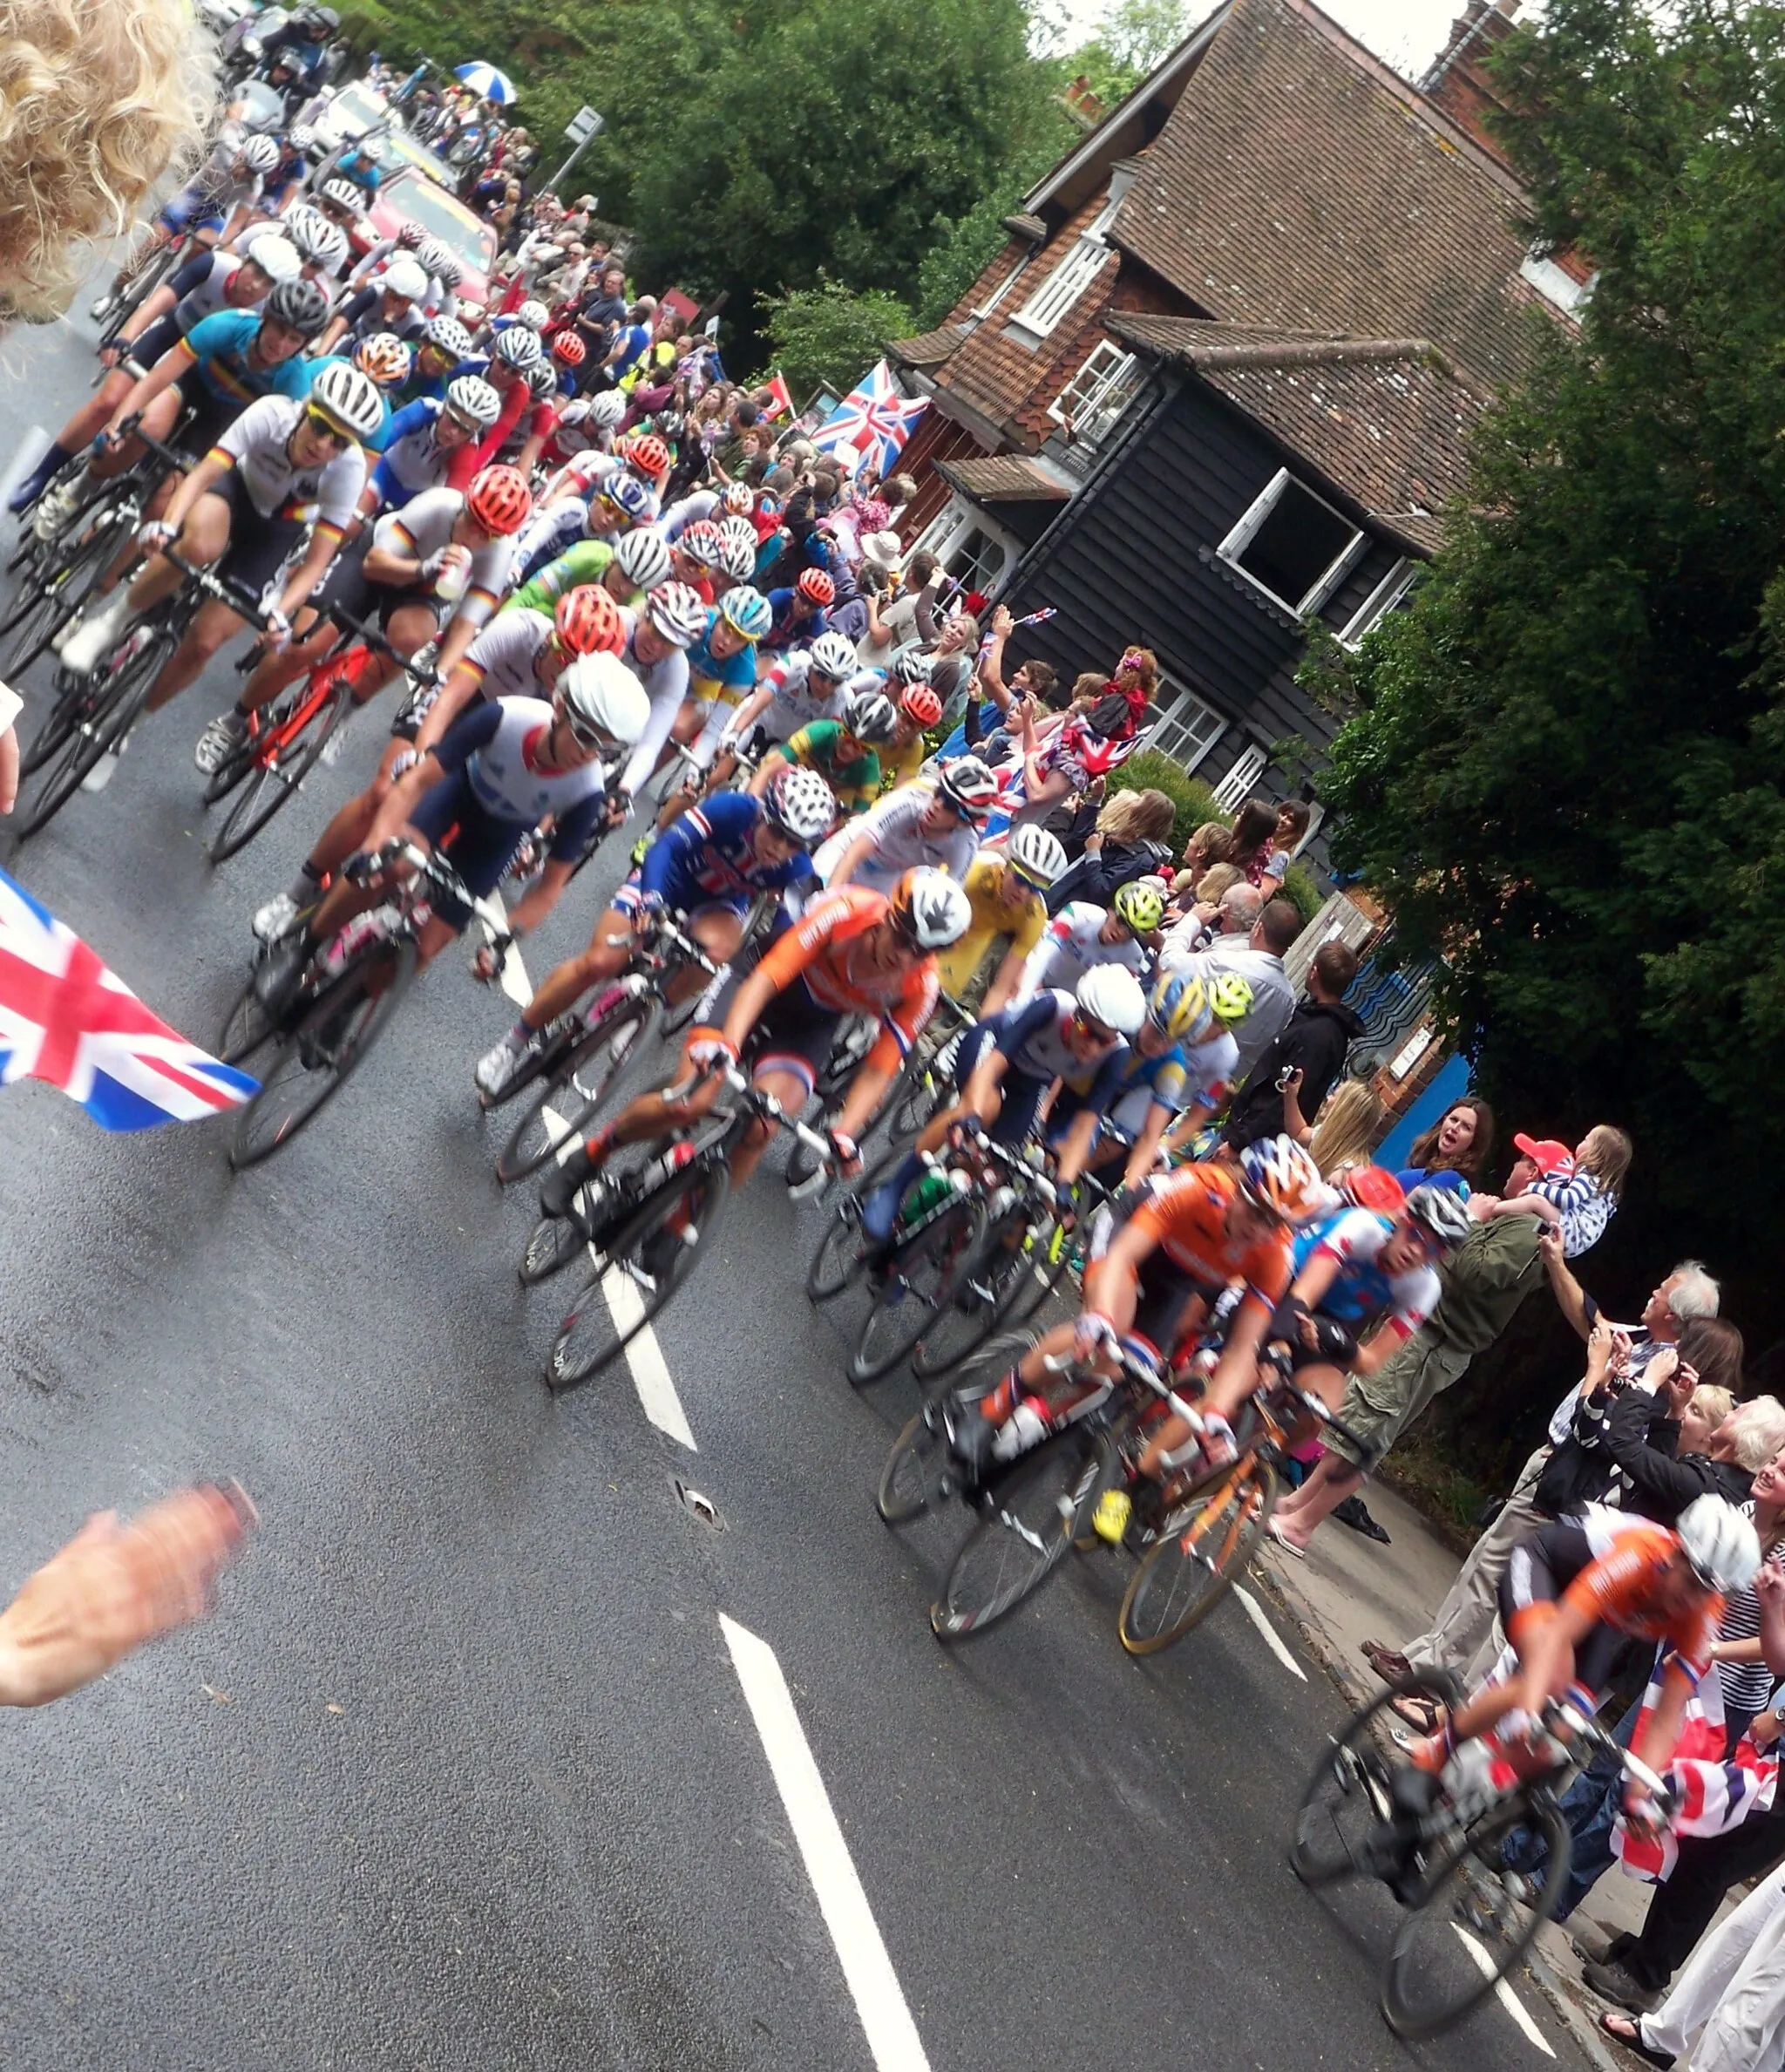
[{"x": 1151, "y": 771}]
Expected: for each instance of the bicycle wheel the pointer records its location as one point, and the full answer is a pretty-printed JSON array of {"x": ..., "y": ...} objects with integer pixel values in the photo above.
[
  {"x": 1201, "y": 1548},
  {"x": 842, "y": 1251},
  {"x": 114, "y": 705},
  {"x": 1001, "y": 1286},
  {"x": 1471, "y": 1923},
  {"x": 1024, "y": 1533},
  {"x": 246, "y": 1027},
  {"x": 561, "y": 1104},
  {"x": 924, "y": 1275},
  {"x": 652, "y": 1256},
  {"x": 1346, "y": 1801},
  {"x": 919, "y": 1472},
  {"x": 325, "y": 1049},
  {"x": 272, "y": 781}
]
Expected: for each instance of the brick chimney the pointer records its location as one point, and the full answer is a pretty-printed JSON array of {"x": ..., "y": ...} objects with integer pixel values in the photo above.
[{"x": 1458, "y": 82}]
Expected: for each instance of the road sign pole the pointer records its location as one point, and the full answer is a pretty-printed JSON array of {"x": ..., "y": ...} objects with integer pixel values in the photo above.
[{"x": 582, "y": 132}]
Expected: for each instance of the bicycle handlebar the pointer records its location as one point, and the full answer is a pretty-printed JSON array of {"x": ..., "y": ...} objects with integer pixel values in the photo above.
[
  {"x": 662, "y": 926},
  {"x": 439, "y": 874},
  {"x": 765, "y": 1105}
]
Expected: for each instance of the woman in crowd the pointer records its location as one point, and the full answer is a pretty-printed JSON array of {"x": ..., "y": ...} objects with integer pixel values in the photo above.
[{"x": 1454, "y": 1151}]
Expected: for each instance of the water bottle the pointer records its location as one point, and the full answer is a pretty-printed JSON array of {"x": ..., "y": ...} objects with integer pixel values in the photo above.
[
  {"x": 1026, "y": 1426},
  {"x": 452, "y": 582}
]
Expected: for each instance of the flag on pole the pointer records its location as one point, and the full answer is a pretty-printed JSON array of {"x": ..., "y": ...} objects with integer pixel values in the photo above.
[
  {"x": 872, "y": 422},
  {"x": 67, "y": 1019},
  {"x": 780, "y": 398}
]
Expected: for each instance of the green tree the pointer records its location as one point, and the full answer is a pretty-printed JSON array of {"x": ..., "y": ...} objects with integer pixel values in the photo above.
[
  {"x": 1566, "y": 772},
  {"x": 829, "y": 334}
]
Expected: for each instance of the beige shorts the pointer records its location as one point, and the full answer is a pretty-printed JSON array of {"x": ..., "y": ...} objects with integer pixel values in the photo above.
[{"x": 1380, "y": 1408}]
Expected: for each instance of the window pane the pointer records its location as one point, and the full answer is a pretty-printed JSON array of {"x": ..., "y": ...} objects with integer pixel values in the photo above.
[
  {"x": 1299, "y": 539},
  {"x": 1189, "y": 730}
]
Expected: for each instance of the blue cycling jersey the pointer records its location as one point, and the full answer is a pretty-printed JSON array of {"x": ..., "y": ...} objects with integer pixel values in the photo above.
[{"x": 707, "y": 857}]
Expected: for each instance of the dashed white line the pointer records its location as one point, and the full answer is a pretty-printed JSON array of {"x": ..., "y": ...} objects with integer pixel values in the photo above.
[
  {"x": 1507, "y": 1998},
  {"x": 1254, "y": 1610},
  {"x": 644, "y": 1356},
  {"x": 892, "y": 2034}
]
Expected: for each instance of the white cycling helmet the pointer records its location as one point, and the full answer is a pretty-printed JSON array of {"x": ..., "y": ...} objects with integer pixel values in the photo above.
[
  {"x": 1037, "y": 854},
  {"x": 833, "y": 655},
  {"x": 260, "y": 153},
  {"x": 316, "y": 238},
  {"x": 517, "y": 346},
  {"x": 868, "y": 715},
  {"x": 371, "y": 150},
  {"x": 737, "y": 560},
  {"x": 300, "y": 136},
  {"x": 607, "y": 409},
  {"x": 1719, "y": 1543},
  {"x": 278, "y": 258},
  {"x": 405, "y": 277},
  {"x": 1111, "y": 994},
  {"x": 801, "y": 804},
  {"x": 534, "y": 315},
  {"x": 599, "y": 690},
  {"x": 643, "y": 557},
  {"x": 352, "y": 398},
  {"x": 929, "y": 908},
  {"x": 343, "y": 193},
  {"x": 473, "y": 399},
  {"x": 677, "y": 612}
]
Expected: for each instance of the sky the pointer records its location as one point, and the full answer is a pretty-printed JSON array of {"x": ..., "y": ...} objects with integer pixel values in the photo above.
[{"x": 1406, "y": 33}]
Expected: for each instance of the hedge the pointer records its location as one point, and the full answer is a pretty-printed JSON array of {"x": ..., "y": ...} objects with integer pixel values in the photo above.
[{"x": 1152, "y": 770}]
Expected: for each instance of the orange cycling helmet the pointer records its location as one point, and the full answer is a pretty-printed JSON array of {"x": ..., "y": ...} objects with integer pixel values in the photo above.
[
  {"x": 817, "y": 588},
  {"x": 1370, "y": 1187},
  {"x": 649, "y": 456},
  {"x": 588, "y": 622},
  {"x": 499, "y": 500},
  {"x": 920, "y": 704},
  {"x": 1280, "y": 1178},
  {"x": 567, "y": 347}
]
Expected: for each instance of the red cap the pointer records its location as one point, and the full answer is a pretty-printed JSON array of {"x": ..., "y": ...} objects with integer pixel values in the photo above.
[{"x": 1550, "y": 1157}]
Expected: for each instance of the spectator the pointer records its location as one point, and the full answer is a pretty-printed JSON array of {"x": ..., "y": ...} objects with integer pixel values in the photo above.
[
  {"x": 1258, "y": 960},
  {"x": 1132, "y": 838},
  {"x": 897, "y": 618},
  {"x": 1199, "y": 907},
  {"x": 1209, "y": 846},
  {"x": 1292, "y": 818},
  {"x": 1250, "y": 840},
  {"x": 1683, "y": 1442},
  {"x": 1453, "y": 1151},
  {"x": 1298, "y": 1068},
  {"x": 1345, "y": 1128}
]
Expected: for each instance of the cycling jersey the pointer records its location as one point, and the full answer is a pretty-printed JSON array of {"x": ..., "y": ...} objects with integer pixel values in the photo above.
[
  {"x": 1186, "y": 1215},
  {"x": 424, "y": 526},
  {"x": 1034, "y": 1039},
  {"x": 199, "y": 287},
  {"x": 792, "y": 704},
  {"x": 726, "y": 681},
  {"x": 666, "y": 686},
  {"x": 1361, "y": 1292},
  {"x": 218, "y": 346},
  {"x": 987, "y": 877},
  {"x": 1607, "y": 1565},
  {"x": 787, "y": 627},
  {"x": 551, "y": 532},
  {"x": 257, "y": 445},
  {"x": 366, "y": 318},
  {"x": 1071, "y": 946},
  {"x": 412, "y": 459},
  {"x": 822, "y": 954},
  {"x": 499, "y": 746},
  {"x": 697, "y": 504},
  {"x": 900, "y": 843},
  {"x": 588, "y": 470},
  {"x": 817, "y": 747},
  {"x": 503, "y": 656},
  {"x": 1188, "y": 1075},
  {"x": 707, "y": 857},
  {"x": 586, "y": 563}
]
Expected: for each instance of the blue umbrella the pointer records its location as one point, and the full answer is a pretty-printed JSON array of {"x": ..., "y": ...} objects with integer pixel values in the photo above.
[{"x": 486, "y": 82}]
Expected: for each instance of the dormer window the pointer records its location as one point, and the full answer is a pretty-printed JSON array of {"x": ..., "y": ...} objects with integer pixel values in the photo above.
[{"x": 1056, "y": 296}]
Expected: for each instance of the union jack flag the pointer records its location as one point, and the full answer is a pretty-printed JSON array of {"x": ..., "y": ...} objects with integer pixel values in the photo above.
[
  {"x": 1713, "y": 1792},
  {"x": 65, "y": 1018},
  {"x": 872, "y": 422}
]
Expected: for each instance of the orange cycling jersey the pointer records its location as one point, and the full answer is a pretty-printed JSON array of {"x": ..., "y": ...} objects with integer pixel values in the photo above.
[
  {"x": 1617, "y": 1587},
  {"x": 825, "y": 953},
  {"x": 1186, "y": 1216}
]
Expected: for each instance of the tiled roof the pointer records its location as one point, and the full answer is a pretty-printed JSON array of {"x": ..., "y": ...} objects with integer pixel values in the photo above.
[
  {"x": 1032, "y": 228},
  {"x": 1299, "y": 182},
  {"x": 1386, "y": 420},
  {"x": 1002, "y": 478},
  {"x": 929, "y": 349}
]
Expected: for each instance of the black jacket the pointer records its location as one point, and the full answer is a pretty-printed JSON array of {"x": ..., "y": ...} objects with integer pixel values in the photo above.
[
  {"x": 1662, "y": 1485},
  {"x": 1099, "y": 878},
  {"x": 1315, "y": 1038}
]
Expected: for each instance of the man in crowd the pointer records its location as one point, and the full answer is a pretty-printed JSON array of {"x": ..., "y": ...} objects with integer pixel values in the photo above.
[
  {"x": 1258, "y": 960},
  {"x": 1304, "y": 1062}
]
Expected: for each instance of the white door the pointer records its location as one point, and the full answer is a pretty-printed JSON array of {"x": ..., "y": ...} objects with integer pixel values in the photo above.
[{"x": 976, "y": 552}]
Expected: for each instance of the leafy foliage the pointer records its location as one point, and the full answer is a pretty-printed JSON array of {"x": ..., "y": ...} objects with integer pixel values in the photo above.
[{"x": 830, "y": 333}]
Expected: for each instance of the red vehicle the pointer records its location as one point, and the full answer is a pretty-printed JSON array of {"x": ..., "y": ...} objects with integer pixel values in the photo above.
[{"x": 407, "y": 195}]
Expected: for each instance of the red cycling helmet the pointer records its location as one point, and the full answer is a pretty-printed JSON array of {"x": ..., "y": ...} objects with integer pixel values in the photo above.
[
  {"x": 921, "y": 705},
  {"x": 588, "y": 622},
  {"x": 1370, "y": 1187},
  {"x": 817, "y": 588},
  {"x": 567, "y": 347},
  {"x": 499, "y": 500},
  {"x": 649, "y": 456}
]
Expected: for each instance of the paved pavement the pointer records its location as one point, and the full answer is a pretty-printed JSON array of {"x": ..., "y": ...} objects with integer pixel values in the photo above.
[{"x": 496, "y": 1755}]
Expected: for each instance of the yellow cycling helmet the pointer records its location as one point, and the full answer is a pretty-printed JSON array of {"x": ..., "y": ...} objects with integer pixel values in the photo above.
[
  {"x": 1230, "y": 997},
  {"x": 1139, "y": 906},
  {"x": 1180, "y": 1008}
]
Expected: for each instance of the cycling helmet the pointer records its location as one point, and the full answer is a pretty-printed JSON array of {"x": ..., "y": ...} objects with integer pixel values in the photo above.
[
  {"x": 542, "y": 378},
  {"x": 405, "y": 277},
  {"x": 607, "y": 409},
  {"x": 432, "y": 255},
  {"x": 868, "y": 715},
  {"x": 411, "y": 237},
  {"x": 1280, "y": 1178},
  {"x": 912, "y": 667},
  {"x": 629, "y": 496},
  {"x": 651, "y": 456},
  {"x": 643, "y": 558},
  {"x": 344, "y": 395},
  {"x": 470, "y": 398},
  {"x": 342, "y": 194},
  {"x": 1369, "y": 1187},
  {"x": 929, "y": 908},
  {"x": 261, "y": 153},
  {"x": 444, "y": 266},
  {"x": 746, "y": 612},
  {"x": 301, "y": 306},
  {"x": 1140, "y": 906},
  {"x": 670, "y": 425},
  {"x": 319, "y": 243},
  {"x": 384, "y": 357},
  {"x": 701, "y": 542},
  {"x": 599, "y": 690},
  {"x": 833, "y": 655},
  {"x": 370, "y": 150},
  {"x": 1230, "y": 996},
  {"x": 1442, "y": 1216},
  {"x": 587, "y": 621},
  {"x": 967, "y": 784},
  {"x": 675, "y": 611},
  {"x": 1111, "y": 994},
  {"x": 1179, "y": 1007},
  {"x": 1036, "y": 854},
  {"x": 739, "y": 532},
  {"x": 446, "y": 334},
  {"x": 300, "y": 136},
  {"x": 534, "y": 315},
  {"x": 817, "y": 588},
  {"x": 800, "y": 803},
  {"x": 499, "y": 500},
  {"x": 276, "y": 256},
  {"x": 1721, "y": 1544},
  {"x": 739, "y": 499},
  {"x": 736, "y": 560},
  {"x": 517, "y": 346},
  {"x": 921, "y": 705},
  {"x": 569, "y": 350}
]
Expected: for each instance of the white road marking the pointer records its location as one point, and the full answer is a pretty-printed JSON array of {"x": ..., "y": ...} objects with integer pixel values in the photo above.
[
  {"x": 1503, "y": 1992},
  {"x": 892, "y": 2034},
  {"x": 644, "y": 1356},
  {"x": 1254, "y": 1610}
]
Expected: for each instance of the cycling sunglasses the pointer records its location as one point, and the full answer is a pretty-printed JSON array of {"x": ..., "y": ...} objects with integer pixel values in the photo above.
[
  {"x": 1094, "y": 1028},
  {"x": 587, "y": 735},
  {"x": 325, "y": 427}
]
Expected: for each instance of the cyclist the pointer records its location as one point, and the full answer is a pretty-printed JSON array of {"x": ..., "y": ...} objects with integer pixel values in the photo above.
[
  {"x": 410, "y": 238},
  {"x": 628, "y": 569},
  {"x": 442, "y": 554},
  {"x": 709, "y": 865},
  {"x": 807, "y": 685},
  {"x": 504, "y": 369},
  {"x": 213, "y": 279},
  {"x": 919, "y": 709},
  {"x": 421, "y": 439},
  {"x": 1082, "y": 935},
  {"x": 446, "y": 277},
  {"x": 341, "y": 202},
  {"x": 322, "y": 246},
  {"x": 392, "y": 302},
  {"x": 363, "y": 165},
  {"x": 290, "y": 172},
  {"x": 476, "y": 795},
  {"x": 246, "y": 507},
  {"x": 936, "y": 822},
  {"x": 853, "y": 951},
  {"x": 519, "y": 654},
  {"x": 798, "y": 612},
  {"x": 722, "y": 674},
  {"x": 1177, "y": 1073},
  {"x": 584, "y": 425},
  {"x": 841, "y": 751},
  {"x": 1005, "y": 888},
  {"x": 210, "y": 208},
  {"x": 443, "y": 345}
]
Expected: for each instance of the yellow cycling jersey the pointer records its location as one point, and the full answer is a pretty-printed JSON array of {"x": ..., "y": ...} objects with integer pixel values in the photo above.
[{"x": 991, "y": 920}]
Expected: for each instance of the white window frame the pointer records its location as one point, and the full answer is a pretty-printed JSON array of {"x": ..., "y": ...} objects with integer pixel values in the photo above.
[
  {"x": 1324, "y": 585},
  {"x": 1004, "y": 286},
  {"x": 1057, "y": 296},
  {"x": 1381, "y": 602},
  {"x": 1090, "y": 422},
  {"x": 946, "y": 534},
  {"x": 1196, "y": 717},
  {"x": 1236, "y": 787}
]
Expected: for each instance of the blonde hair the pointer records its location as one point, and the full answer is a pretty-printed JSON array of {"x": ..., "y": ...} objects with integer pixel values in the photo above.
[
  {"x": 1218, "y": 878},
  {"x": 1712, "y": 1403},
  {"x": 1606, "y": 1155},
  {"x": 1137, "y": 817},
  {"x": 1350, "y": 1116},
  {"x": 97, "y": 100}
]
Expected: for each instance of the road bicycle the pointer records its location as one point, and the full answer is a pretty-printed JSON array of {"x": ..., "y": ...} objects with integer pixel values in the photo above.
[{"x": 1437, "y": 1842}]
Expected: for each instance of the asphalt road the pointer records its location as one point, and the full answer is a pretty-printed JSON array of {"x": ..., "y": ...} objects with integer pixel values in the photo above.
[{"x": 464, "y": 1773}]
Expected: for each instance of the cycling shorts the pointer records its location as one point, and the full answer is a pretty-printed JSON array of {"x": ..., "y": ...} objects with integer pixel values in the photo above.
[
  {"x": 259, "y": 548},
  {"x": 347, "y": 587},
  {"x": 1540, "y": 1569},
  {"x": 478, "y": 845},
  {"x": 211, "y": 416},
  {"x": 1163, "y": 1290},
  {"x": 191, "y": 209},
  {"x": 161, "y": 337},
  {"x": 794, "y": 1034},
  {"x": 1023, "y": 1093}
]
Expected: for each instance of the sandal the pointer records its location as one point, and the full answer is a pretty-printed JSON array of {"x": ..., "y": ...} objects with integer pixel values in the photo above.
[
  {"x": 1422, "y": 1715},
  {"x": 1287, "y": 1546},
  {"x": 1627, "y": 2030}
]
